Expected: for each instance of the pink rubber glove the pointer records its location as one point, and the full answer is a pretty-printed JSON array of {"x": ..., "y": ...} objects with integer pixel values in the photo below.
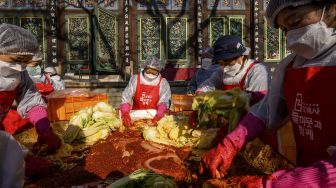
[
  {"x": 38, "y": 116},
  {"x": 219, "y": 159},
  {"x": 320, "y": 174},
  {"x": 125, "y": 109},
  {"x": 160, "y": 112},
  {"x": 256, "y": 96}
]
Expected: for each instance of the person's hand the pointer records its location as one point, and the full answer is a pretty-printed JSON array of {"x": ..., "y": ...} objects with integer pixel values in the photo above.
[
  {"x": 218, "y": 160},
  {"x": 160, "y": 112},
  {"x": 156, "y": 119},
  {"x": 126, "y": 119},
  {"x": 37, "y": 166},
  {"x": 47, "y": 143},
  {"x": 125, "y": 109}
]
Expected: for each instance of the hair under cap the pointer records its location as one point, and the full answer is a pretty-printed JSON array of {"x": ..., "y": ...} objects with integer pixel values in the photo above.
[
  {"x": 17, "y": 40},
  {"x": 37, "y": 56},
  {"x": 153, "y": 63},
  {"x": 275, "y": 6}
]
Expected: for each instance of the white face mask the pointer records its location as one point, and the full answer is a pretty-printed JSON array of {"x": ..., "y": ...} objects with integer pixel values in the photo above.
[
  {"x": 150, "y": 77},
  {"x": 34, "y": 71},
  {"x": 7, "y": 69},
  {"x": 232, "y": 70},
  {"x": 311, "y": 40}
]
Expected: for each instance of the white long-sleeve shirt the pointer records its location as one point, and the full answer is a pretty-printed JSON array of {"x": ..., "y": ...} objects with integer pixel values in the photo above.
[
  {"x": 257, "y": 78},
  {"x": 26, "y": 94},
  {"x": 129, "y": 92},
  {"x": 273, "y": 109}
]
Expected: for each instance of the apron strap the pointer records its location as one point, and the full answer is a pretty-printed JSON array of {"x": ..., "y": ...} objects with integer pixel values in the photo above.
[{"x": 242, "y": 81}]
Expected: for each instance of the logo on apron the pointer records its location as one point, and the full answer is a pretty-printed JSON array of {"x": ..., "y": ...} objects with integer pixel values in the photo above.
[
  {"x": 304, "y": 115},
  {"x": 145, "y": 99}
]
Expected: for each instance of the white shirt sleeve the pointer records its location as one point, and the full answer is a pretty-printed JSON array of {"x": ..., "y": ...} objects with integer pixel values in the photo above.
[
  {"x": 165, "y": 92},
  {"x": 129, "y": 92}
]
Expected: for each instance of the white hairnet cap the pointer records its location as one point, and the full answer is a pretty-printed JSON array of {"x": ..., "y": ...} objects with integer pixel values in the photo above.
[
  {"x": 17, "y": 40},
  {"x": 153, "y": 63},
  {"x": 275, "y": 6},
  {"x": 37, "y": 56},
  {"x": 50, "y": 70}
]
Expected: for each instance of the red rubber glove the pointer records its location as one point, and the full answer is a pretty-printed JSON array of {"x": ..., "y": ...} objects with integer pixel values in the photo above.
[
  {"x": 125, "y": 109},
  {"x": 155, "y": 119},
  {"x": 160, "y": 112},
  {"x": 126, "y": 119},
  {"x": 37, "y": 166},
  {"x": 219, "y": 159}
]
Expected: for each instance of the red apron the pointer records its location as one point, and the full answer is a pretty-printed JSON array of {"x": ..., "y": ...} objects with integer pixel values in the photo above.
[
  {"x": 44, "y": 89},
  {"x": 270, "y": 139},
  {"x": 310, "y": 97},
  {"x": 146, "y": 96},
  {"x": 11, "y": 121},
  {"x": 241, "y": 84}
]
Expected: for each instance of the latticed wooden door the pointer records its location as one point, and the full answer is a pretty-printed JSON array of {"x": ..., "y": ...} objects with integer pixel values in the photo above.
[
  {"x": 169, "y": 44},
  {"x": 78, "y": 42},
  {"x": 106, "y": 56},
  {"x": 35, "y": 23}
]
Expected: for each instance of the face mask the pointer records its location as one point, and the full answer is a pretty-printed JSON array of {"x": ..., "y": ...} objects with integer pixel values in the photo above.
[
  {"x": 311, "y": 40},
  {"x": 150, "y": 77},
  {"x": 232, "y": 70},
  {"x": 34, "y": 71},
  {"x": 7, "y": 69}
]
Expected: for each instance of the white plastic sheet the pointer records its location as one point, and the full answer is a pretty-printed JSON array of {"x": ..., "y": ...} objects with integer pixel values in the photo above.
[{"x": 142, "y": 114}]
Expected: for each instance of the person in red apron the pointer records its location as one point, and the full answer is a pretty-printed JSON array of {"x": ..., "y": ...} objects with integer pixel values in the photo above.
[
  {"x": 146, "y": 90},
  {"x": 238, "y": 71},
  {"x": 56, "y": 81},
  {"x": 17, "y": 47},
  {"x": 42, "y": 83},
  {"x": 302, "y": 91},
  {"x": 13, "y": 123}
]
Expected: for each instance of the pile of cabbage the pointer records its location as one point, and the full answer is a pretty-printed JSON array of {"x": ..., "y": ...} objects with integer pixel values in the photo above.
[
  {"x": 92, "y": 124},
  {"x": 230, "y": 104},
  {"x": 144, "y": 178},
  {"x": 170, "y": 131}
]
